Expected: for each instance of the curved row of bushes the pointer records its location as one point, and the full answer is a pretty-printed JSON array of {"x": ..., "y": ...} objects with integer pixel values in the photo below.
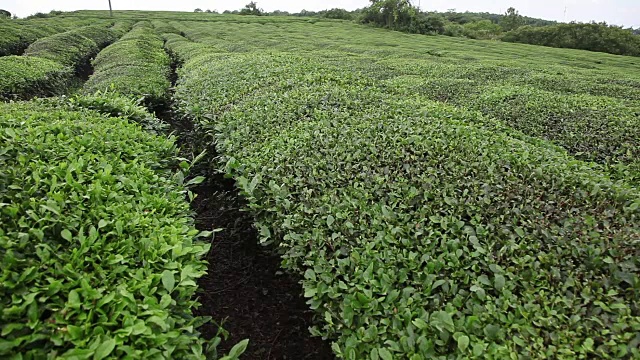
[
  {"x": 604, "y": 129},
  {"x": 72, "y": 48},
  {"x": 50, "y": 64},
  {"x": 17, "y": 35},
  {"x": 24, "y": 77},
  {"x": 135, "y": 66},
  {"x": 98, "y": 252},
  {"x": 15, "y": 38},
  {"x": 421, "y": 235}
]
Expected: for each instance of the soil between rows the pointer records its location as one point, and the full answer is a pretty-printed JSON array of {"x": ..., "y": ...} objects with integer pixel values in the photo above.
[{"x": 245, "y": 286}]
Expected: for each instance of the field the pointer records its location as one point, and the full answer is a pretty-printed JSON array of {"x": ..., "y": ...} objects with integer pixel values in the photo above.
[{"x": 414, "y": 197}]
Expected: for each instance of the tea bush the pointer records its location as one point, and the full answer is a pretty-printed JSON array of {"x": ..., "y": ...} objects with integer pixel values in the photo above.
[
  {"x": 98, "y": 252},
  {"x": 420, "y": 232},
  {"x": 23, "y": 77},
  {"x": 72, "y": 48},
  {"x": 17, "y": 35},
  {"x": 136, "y": 66}
]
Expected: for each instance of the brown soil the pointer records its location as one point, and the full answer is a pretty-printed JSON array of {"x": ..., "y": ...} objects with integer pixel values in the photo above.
[{"x": 246, "y": 288}]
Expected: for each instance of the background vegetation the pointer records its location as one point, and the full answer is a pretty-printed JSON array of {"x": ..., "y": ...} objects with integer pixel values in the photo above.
[{"x": 402, "y": 15}]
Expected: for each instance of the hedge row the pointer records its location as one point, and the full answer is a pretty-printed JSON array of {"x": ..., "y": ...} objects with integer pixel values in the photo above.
[
  {"x": 72, "y": 48},
  {"x": 98, "y": 254},
  {"x": 164, "y": 27},
  {"x": 419, "y": 234},
  {"x": 604, "y": 129},
  {"x": 17, "y": 35},
  {"x": 15, "y": 38},
  {"x": 136, "y": 65},
  {"x": 23, "y": 77},
  {"x": 122, "y": 27},
  {"x": 51, "y": 63},
  {"x": 183, "y": 49}
]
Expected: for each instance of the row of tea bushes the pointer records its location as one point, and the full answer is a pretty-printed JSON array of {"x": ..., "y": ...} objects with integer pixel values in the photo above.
[
  {"x": 420, "y": 232},
  {"x": 99, "y": 253},
  {"x": 17, "y": 35},
  {"x": 50, "y": 64},
  {"x": 136, "y": 66},
  {"x": 72, "y": 48},
  {"x": 600, "y": 125},
  {"x": 24, "y": 77}
]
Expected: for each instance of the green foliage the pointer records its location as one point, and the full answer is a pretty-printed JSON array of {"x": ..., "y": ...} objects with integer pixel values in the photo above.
[
  {"x": 511, "y": 20},
  {"x": 135, "y": 66},
  {"x": 24, "y": 77},
  {"x": 467, "y": 17},
  {"x": 427, "y": 24},
  {"x": 455, "y": 30},
  {"x": 162, "y": 27},
  {"x": 392, "y": 14},
  {"x": 4, "y": 14},
  {"x": 593, "y": 120},
  {"x": 99, "y": 254},
  {"x": 72, "y": 48},
  {"x": 430, "y": 190},
  {"x": 422, "y": 230},
  {"x": 592, "y": 37},
  {"x": 112, "y": 105},
  {"x": 483, "y": 29},
  {"x": 122, "y": 27},
  {"x": 16, "y": 37},
  {"x": 337, "y": 13},
  {"x": 251, "y": 9},
  {"x": 182, "y": 48}
]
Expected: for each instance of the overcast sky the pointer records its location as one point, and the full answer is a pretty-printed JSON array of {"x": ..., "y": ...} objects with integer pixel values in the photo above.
[{"x": 620, "y": 12}]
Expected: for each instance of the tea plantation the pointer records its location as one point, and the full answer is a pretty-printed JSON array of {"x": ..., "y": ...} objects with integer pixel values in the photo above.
[{"x": 437, "y": 197}]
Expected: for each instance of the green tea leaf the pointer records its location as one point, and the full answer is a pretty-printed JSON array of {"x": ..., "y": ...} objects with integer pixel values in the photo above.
[
  {"x": 104, "y": 349},
  {"x": 168, "y": 280},
  {"x": 385, "y": 354},
  {"x": 463, "y": 343},
  {"x": 66, "y": 234}
]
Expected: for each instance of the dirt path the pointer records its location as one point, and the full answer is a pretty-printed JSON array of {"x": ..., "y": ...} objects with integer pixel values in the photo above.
[{"x": 245, "y": 286}]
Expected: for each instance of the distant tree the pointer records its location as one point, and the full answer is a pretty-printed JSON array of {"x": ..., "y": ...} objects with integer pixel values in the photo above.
[
  {"x": 483, "y": 29},
  {"x": 208, "y": 11},
  {"x": 279, "y": 13},
  {"x": 251, "y": 9},
  {"x": 636, "y": 31},
  {"x": 453, "y": 29},
  {"x": 392, "y": 14},
  {"x": 585, "y": 36},
  {"x": 38, "y": 15},
  {"x": 337, "y": 14},
  {"x": 4, "y": 14},
  {"x": 427, "y": 24},
  {"x": 511, "y": 20},
  {"x": 198, "y": 10},
  {"x": 304, "y": 12}
]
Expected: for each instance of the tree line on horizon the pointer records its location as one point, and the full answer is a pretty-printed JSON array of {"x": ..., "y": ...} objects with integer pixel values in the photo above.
[
  {"x": 511, "y": 26},
  {"x": 402, "y": 15}
]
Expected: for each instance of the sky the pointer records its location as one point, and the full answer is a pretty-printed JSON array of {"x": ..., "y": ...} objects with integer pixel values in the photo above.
[{"x": 619, "y": 12}]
